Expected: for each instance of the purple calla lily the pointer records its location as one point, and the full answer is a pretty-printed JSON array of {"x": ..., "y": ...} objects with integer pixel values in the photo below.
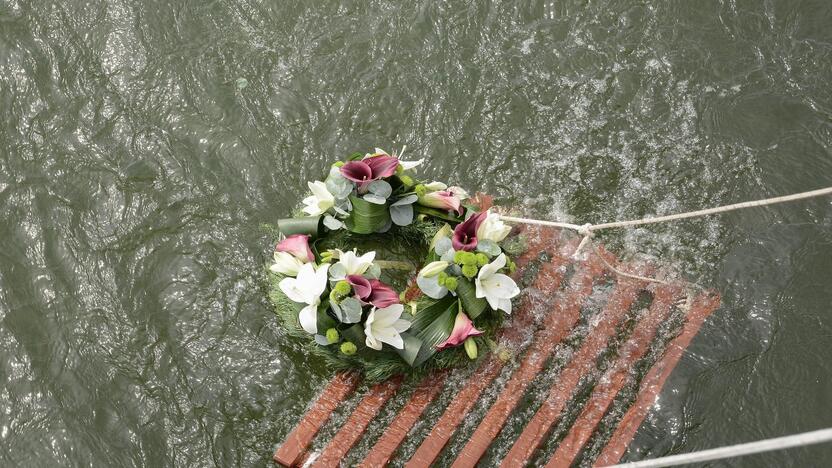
[
  {"x": 298, "y": 246},
  {"x": 367, "y": 170},
  {"x": 463, "y": 328},
  {"x": 382, "y": 295},
  {"x": 465, "y": 233},
  {"x": 362, "y": 287}
]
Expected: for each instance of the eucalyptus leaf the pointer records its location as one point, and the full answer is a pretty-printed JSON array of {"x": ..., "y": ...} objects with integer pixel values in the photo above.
[
  {"x": 406, "y": 200},
  {"x": 351, "y": 310},
  {"x": 443, "y": 245},
  {"x": 488, "y": 247},
  {"x": 448, "y": 256},
  {"x": 373, "y": 272},
  {"x": 471, "y": 304},
  {"x": 339, "y": 186},
  {"x": 401, "y": 215},
  {"x": 380, "y": 188},
  {"x": 321, "y": 340},
  {"x": 337, "y": 271},
  {"x": 333, "y": 224},
  {"x": 386, "y": 226},
  {"x": 377, "y": 199}
]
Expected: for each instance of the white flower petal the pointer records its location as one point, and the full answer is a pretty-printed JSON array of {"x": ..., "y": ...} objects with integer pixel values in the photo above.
[
  {"x": 402, "y": 325},
  {"x": 372, "y": 343},
  {"x": 395, "y": 341},
  {"x": 286, "y": 264},
  {"x": 430, "y": 286},
  {"x": 407, "y": 165},
  {"x": 500, "y": 285},
  {"x": 289, "y": 286},
  {"x": 308, "y": 318}
]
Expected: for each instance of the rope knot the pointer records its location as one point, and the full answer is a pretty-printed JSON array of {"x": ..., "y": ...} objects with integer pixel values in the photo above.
[{"x": 586, "y": 230}]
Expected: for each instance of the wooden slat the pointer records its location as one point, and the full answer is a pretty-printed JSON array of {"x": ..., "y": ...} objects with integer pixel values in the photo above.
[
  {"x": 395, "y": 433},
  {"x": 653, "y": 382},
  {"x": 339, "y": 388},
  {"x": 581, "y": 364},
  {"x": 548, "y": 280},
  {"x": 557, "y": 324},
  {"x": 614, "y": 378},
  {"x": 354, "y": 428}
]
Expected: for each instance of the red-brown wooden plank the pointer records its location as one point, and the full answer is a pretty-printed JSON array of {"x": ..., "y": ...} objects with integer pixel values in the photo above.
[
  {"x": 653, "y": 382},
  {"x": 395, "y": 433},
  {"x": 354, "y": 428},
  {"x": 614, "y": 378},
  {"x": 557, "y": 324},
  {"x": 296, "y": 443},
  {"x": 580, "y": 365},
  {"x": 548, "y": 280}
]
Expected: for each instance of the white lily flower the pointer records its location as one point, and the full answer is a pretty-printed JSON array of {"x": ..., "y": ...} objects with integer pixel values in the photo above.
[
  {"x": 492, "y": 228},
  {"x": 384, "y": 326},
  {"x": 286, "y": 264},
  {"x": 320, "y": 200},
  {"x": 433, "y": 268},
  {"x": 307, "y": 289},
  {"x": 436, "y": 186},
  {"x": 408, "y": 165},
  {"x": 351, "y": 264},
  {"x": 496, "y": 288}
]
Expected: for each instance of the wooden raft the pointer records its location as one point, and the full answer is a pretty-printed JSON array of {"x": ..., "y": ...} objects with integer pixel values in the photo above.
[{"x": 534, "y": 343}]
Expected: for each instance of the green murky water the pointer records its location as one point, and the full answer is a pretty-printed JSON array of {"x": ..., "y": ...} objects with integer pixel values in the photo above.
[{"x": 143, "y": 142}]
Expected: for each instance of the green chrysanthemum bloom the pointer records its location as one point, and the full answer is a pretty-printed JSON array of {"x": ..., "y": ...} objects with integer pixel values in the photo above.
[
  {"x": 469, "y": 271},
  {"x": 442, "y": 278},
  {"x": 348, "y": 348},
  {"x": 332, "y": 336},
  {"x": 470, "y": 258},
  {"x": 482, "y": 259},
  {"x": 406, "y": 180},
  {"x": 459, "y": 257},
  {"x": 342, "y": 288},
  {"x": 451, "y": 283}
]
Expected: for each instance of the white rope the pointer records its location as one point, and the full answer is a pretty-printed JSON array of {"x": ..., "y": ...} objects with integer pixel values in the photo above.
[
  {"x": 588, "y": 230},
  {"x": 778, "y": 443}
]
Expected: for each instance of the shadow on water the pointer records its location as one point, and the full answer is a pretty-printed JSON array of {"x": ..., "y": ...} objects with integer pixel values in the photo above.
[{"x": 143, "y": 143}]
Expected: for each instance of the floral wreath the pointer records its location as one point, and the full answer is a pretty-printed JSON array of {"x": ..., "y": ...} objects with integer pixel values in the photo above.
[{"x": 447, "y": 256}]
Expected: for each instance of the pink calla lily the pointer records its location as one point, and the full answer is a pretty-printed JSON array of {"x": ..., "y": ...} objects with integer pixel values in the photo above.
[
  {"x": 297, "y": 245},
  {"x": 362, "y": 287},
  {"x": 443, "y": 200},
  {"x": 367, "y": 170},
  {"x": 382, "y": 295},
  {"x": 465, "y": 233},
  {"x": 463, "y": 328}
]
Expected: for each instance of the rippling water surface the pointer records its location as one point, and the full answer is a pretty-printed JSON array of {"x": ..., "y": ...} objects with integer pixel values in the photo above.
[{"x": 143, "y": 142}]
